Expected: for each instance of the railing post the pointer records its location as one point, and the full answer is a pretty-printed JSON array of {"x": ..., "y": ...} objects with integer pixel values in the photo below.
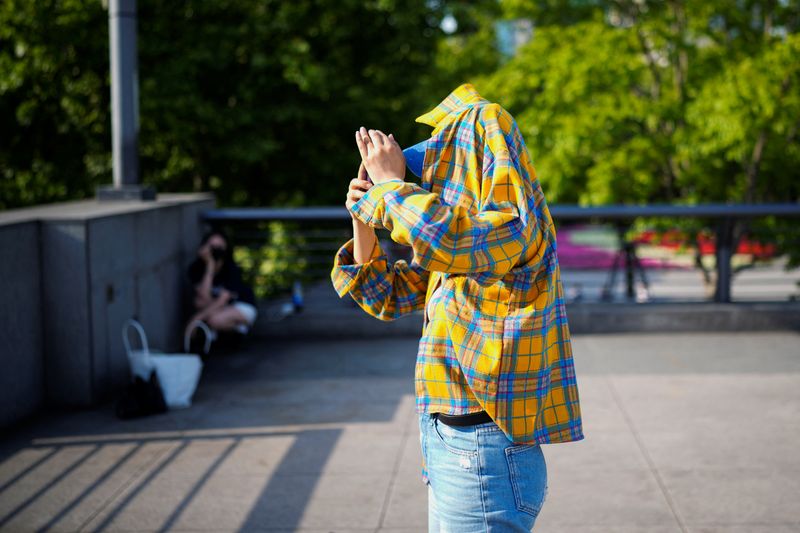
[
  {"x": 724, "y": 254},
  {"x": 630, "y": 290}
]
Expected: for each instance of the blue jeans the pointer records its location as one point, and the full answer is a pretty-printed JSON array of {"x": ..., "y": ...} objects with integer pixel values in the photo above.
[{"x": 478, "y": 480}]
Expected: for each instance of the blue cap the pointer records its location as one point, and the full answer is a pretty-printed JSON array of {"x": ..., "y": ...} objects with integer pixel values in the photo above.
[{"x": 415, "y": 156}]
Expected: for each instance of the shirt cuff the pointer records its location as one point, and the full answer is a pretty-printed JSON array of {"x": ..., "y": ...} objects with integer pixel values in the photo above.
[
  {"x": 364, "y": 209},
  {"x": 346, "y": 271}
]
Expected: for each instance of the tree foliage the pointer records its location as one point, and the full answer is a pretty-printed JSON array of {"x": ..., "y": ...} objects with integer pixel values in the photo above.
[
  {"x": 54, "y": 117},
  {"x": 255, "y": 101},
  {"x": 647, "y": 102},
  {"x": 619, "y": 100}
]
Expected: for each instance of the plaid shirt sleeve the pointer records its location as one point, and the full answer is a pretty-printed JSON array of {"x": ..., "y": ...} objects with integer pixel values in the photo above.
[
  {"x": 385, "y": 292},
  {"x": 451, "y": 238}
]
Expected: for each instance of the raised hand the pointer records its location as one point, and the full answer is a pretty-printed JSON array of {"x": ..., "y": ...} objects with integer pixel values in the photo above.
[
  {"x": 204, "y": 252},
  {"x": 381, "y": 155},
  {"x": 358, "y": 186}
]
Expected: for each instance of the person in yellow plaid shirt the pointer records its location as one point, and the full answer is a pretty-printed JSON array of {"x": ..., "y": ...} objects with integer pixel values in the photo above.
[{"x": 494, "y": 375}]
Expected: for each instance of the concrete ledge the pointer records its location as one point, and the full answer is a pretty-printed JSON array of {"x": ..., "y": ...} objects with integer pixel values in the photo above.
[
  {"x": 331, "y": 323},
  {"x": 93, "y": 209},
  {"x": 687, "y": 317},
  {"x": 351, "y": 321}
]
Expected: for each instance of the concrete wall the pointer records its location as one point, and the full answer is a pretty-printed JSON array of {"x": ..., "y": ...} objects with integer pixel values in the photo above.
[
  {"x": 82, "y": 269},
  {"x": 21, "y": 348}
]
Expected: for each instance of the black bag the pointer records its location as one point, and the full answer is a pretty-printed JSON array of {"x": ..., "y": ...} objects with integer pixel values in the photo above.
[{"x": 141, "y": 398}]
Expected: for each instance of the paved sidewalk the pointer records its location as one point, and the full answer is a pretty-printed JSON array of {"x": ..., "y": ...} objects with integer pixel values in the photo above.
[{"x": 684, "y": 432}]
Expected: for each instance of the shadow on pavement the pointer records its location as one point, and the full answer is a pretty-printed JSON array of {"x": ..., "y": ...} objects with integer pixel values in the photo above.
[{"x": 263, "y": 427}]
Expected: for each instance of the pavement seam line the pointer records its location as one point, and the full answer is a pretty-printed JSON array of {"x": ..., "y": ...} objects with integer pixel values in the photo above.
[
  {"x": 650, "y": 463},
  {"x": 395, "y": 470}
]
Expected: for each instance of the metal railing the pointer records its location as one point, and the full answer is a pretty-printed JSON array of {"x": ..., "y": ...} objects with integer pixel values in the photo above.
[{"x": 316, "y": 232}]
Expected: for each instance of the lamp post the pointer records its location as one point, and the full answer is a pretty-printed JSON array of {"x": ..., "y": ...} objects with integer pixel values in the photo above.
[{"x": 124, "y": 105}]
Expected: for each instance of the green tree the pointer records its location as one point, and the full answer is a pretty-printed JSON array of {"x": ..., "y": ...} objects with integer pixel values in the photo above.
[
  {"x": 467, "y": 51},
  {"x": 259, "y": 101},
  {"x": 255, "y": 101},
  {"x": 54, "y": 121},
  {"x": 648, "y": 102},
  {"x": 684, "y": 100}
]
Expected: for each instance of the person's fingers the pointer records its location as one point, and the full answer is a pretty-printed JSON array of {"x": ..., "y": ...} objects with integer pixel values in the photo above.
[
  {"x": 360, "y": 184},
  {"x": 355, "y": 195},
  {"x": 391, "y": 137},
  {"x": 365, "y": 136},
  {"x": 362, "y": 147},
  {"x": 383, "y": 138},
  {"x": 367, "y": 140},
  {"x": 377, "y": 137}
]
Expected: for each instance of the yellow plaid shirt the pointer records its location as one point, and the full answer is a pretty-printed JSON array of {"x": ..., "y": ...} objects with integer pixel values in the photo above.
[{"x": 497, "y": 337}]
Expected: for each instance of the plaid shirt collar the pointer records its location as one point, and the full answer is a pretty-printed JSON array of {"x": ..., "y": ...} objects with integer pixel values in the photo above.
[{"x": 463, "y": 96}]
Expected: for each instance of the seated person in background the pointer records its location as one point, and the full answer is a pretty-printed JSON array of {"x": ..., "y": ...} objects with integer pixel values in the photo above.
[{"x": 221, "y": 299}]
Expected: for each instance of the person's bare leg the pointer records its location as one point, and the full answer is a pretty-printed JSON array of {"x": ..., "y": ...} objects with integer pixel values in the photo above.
[{"x": 225, "y": 319}]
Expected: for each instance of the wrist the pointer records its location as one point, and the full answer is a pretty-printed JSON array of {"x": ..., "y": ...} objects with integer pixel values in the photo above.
[
  {"x": 390, "y": 179},
  {"x": 360, "y": 226}
]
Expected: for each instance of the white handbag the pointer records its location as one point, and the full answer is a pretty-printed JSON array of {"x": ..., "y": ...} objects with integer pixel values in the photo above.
[{"x": 178, "y": 373}]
